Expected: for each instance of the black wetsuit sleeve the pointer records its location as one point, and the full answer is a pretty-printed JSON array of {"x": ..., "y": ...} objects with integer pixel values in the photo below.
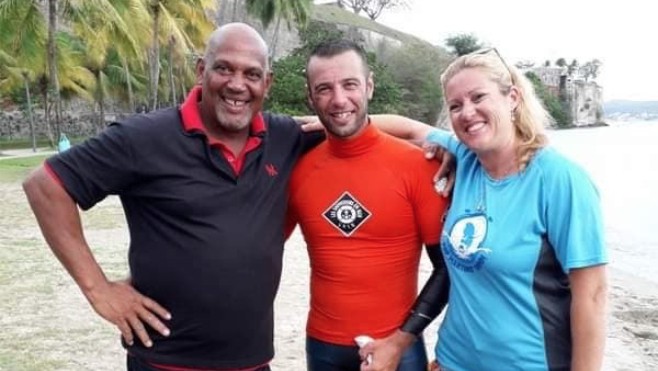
[
  {"x": 432, "y": 298},
  {"x": 312, "y": 139}
]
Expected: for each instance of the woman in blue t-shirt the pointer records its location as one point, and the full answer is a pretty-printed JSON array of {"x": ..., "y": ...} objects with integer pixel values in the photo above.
[{"x": 523, "y": 239}]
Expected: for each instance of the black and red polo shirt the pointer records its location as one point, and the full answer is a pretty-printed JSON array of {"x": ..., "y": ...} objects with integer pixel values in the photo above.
[{"x": 206, "y": 233}]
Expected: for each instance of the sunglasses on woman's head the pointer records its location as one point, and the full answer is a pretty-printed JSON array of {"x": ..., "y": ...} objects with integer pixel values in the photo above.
[{"x": 495, "y": 51}]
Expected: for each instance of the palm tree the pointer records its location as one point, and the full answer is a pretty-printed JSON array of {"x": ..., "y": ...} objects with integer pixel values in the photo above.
[
  {"x": 28, "y": 98},
  {"x": 291, "y": 11},
  {"x": 167, "y": 18},
  {"x": 52, "y": 63},
  {"x": 104, "y": 29},
  {"x": 23, "y": 36},
  {"x": 9, "y": 75},
  {"x": 24, "y": 20},
  {"x": 137, "y": 19},
  {"x": 125, "y": 80}
]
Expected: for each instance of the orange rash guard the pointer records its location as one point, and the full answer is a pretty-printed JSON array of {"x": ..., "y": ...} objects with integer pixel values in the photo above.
[{"x": 365, "y": 206}]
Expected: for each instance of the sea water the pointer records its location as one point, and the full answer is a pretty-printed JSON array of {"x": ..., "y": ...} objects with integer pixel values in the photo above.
[{"x": 622, "y": 159}]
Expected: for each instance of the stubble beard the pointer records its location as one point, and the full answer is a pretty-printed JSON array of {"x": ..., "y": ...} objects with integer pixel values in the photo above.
[
  {"x": 232, "y": 123},
  {"x": 346, "y": 131}
]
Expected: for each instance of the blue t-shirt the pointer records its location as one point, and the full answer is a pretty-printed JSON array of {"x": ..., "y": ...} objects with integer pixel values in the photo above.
[{"x": 509, "y": 245}]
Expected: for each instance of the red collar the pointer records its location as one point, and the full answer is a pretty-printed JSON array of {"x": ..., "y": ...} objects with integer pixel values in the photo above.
[
  {"x": 362, "y": 143},
  {"x": 192, "y": 117}
]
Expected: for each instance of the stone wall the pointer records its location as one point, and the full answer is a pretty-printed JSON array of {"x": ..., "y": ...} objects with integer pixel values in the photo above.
[
  {"x": 585, "y": 97},
  {"x": 586, "y": 103},
  {"x": 15, "y": 124}
]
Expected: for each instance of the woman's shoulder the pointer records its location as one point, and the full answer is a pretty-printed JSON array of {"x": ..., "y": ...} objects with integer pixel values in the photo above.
[{"x": 555, "y": 166}]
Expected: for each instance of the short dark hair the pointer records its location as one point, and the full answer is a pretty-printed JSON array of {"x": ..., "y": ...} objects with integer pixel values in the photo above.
[{"x": 332, "y": 48}]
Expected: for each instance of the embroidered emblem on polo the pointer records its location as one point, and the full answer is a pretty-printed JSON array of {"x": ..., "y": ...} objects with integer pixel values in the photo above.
[
  {"x": 271, "y": 170},
  {"x": 347, "y": 214}
]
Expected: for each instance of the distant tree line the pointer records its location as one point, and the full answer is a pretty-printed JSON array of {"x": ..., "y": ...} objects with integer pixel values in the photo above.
[
  {"x": 139, "y": 54},
  {"x": 406, "y": 78}
]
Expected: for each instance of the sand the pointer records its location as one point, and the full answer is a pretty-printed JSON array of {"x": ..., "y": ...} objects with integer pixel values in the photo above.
[{"x": 47, "y": 324}]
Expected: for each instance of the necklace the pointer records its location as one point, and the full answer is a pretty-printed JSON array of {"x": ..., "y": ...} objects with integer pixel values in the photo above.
[{"x": 481, "y": 206}]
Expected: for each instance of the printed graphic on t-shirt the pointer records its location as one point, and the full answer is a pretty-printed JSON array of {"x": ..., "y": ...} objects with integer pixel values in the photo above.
[
  {"x": 463, "y": 245},
  {"x": 346, "y": 214}
]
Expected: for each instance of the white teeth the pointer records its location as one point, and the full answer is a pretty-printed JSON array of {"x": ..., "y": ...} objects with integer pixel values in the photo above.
[
  {"x": 341, "y": 115},
  {"x": 237, "y": 103}
]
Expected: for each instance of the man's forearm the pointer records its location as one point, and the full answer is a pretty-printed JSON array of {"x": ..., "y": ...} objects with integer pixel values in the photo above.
[{"x": 59, "y": 220}]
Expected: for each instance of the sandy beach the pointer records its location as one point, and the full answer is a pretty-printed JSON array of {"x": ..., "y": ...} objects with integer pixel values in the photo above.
[{"x": 48, "y": 325}]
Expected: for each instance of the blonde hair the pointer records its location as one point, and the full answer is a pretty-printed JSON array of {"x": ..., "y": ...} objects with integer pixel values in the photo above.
[{"x": 529, "y": 118}]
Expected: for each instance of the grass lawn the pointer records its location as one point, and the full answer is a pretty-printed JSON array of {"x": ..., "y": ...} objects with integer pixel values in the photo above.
[
  {"x": 47, "y": 325},
  {"x": 15, "y": 169}
]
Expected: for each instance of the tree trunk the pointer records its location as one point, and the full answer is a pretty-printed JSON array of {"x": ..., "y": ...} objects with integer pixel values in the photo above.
[
  {"x": 275, "y": 38},
  {"x": 131, "y": 97},
  {"x": 29, "y": 112},
  {"x": 101, "y": 102},
  {"x": 46, "y": 113},
  {"x": 172, "y": 84},
  {"x": 183, "y": 89},
  {"x": 154, "y": 56},
  {"x": 235, "y": 11},
  {"x": 52, "y": 62}
]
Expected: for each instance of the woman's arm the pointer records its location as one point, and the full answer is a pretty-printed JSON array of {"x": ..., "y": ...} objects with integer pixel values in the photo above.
[
  {"x": 402, "y": 127},
  {"x": 589, "y": 293}
]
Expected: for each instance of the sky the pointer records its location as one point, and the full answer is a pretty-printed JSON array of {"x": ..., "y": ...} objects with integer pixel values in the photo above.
[{"x": 621, "y": 34}]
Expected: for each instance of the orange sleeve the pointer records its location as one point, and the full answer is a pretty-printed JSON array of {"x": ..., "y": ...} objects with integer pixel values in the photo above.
[{"x": 430, "y": 207}]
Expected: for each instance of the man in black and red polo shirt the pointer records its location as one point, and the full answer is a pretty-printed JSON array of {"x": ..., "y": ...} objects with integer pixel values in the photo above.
[{"x": 204, "y": 192}]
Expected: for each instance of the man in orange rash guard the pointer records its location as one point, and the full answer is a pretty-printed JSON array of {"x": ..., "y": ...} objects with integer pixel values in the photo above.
[{"x": 365, "y": 202}]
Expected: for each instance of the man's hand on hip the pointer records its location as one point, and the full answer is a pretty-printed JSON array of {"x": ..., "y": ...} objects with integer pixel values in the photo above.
[{"x": 118, "y": 302}]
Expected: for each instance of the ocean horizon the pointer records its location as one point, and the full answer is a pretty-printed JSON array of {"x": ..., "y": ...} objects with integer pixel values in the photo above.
[{"x": 622, "y": 159}]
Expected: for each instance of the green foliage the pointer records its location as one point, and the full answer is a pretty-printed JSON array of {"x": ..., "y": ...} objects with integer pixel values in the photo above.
[
  {"x": 288, "y": 92},
  {"x": 387, "y": 97},
  {"x": 417, "y": 69},
  {"x": 557, "y": 109},
  {"x": 463, "y": 44},
  {"x": 13, "y": 169},
  {"x": 316, "y": 33}
]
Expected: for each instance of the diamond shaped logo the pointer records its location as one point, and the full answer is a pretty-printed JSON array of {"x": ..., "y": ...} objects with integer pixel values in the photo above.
[{"x": 347, "y": 214}]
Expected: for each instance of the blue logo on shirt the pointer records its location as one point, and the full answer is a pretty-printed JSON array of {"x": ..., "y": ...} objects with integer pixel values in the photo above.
[{"x": 462, "y": 246}]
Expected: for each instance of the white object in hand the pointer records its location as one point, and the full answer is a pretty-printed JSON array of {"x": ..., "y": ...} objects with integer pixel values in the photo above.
[
  {"x": 363, "y": 340},
  {"x": 440, "y": 185}
]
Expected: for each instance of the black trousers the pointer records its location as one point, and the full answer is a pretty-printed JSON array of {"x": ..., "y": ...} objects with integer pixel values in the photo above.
[{"x": 135, "y": 364}]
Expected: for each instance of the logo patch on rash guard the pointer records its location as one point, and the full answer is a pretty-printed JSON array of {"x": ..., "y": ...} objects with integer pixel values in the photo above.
[{"x": 346, "y": 214}]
